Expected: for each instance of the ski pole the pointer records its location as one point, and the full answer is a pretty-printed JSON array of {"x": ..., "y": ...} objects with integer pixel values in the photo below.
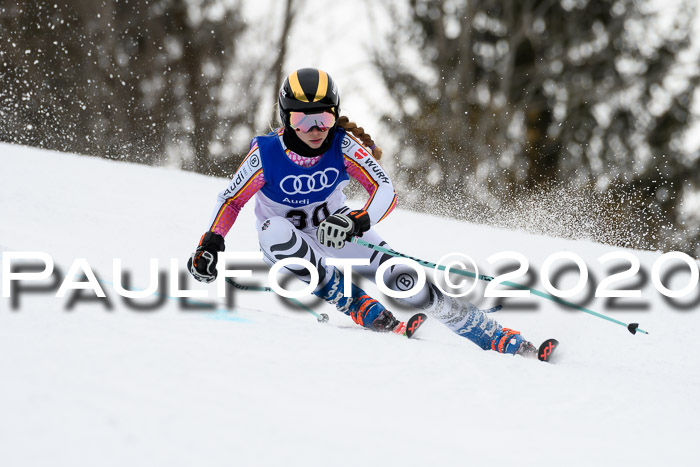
[
  {"x": 321, "y": 318},
  {"x": 631, "y": 327}
]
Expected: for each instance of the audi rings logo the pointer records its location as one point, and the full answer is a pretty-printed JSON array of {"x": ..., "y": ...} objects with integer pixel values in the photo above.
[{"x": 305, "y": 184}]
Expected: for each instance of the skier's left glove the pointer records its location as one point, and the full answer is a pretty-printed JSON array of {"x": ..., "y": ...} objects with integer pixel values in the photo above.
[
  {"x": 337, "y": 229},
  {"x": 202, "y": 263}
]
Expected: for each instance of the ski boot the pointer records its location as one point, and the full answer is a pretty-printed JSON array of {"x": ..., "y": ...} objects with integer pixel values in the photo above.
[
  {"x": 363, "y": 309},
  {"x": 509, "y": 341},
  {"x": 386, "y": 322}
]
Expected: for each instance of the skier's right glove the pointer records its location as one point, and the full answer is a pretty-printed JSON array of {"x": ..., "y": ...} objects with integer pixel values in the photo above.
[{"x": 202, "y": 263}]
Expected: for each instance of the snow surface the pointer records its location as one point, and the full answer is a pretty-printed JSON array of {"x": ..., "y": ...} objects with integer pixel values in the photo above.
[{"x": 266, "y": 385}]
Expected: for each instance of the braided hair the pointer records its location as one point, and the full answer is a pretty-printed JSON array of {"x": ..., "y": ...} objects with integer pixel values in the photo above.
[{"x": 360, "y": 134}]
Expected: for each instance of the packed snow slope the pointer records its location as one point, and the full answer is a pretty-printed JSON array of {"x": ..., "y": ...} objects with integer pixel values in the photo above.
[{"x": 88, "y": 382}]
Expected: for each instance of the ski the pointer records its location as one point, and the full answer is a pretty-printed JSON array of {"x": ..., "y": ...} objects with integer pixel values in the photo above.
[
  {"x": 546, "y": 350},
  {"x": 413, "y": 323}
]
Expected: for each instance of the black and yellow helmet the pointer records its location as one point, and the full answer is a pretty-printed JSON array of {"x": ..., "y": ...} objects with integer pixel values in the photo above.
[{"x": 308, "y": 90}]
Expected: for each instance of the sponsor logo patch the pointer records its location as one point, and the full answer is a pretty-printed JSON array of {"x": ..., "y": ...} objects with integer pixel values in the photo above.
[
  {"x": 376, "y": 170},
  {"x": 361, "y": 153},
  {"x": 305, "y": 184},
  {"x": 405, "y": 282},
  {"x": 296, "y": 201}
]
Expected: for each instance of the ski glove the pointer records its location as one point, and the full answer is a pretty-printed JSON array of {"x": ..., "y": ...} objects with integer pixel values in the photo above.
[
  {"x": 202, "y": 263},
  {"x": 337, "y": 229}
]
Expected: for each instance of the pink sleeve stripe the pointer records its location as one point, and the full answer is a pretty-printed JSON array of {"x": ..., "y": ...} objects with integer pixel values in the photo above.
[
  {"x": 226, "y": 217},
  {"x": 250, "y": 188},
  {"x": 361, "y": 175},
  {"x": 232, "y": 207}
]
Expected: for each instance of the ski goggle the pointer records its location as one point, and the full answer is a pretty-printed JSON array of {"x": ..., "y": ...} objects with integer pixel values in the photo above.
[{"x": 300, "y": 121}]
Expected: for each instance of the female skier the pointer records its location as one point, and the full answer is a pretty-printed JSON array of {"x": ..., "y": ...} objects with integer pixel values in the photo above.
[{"x": 298, "y": 173}]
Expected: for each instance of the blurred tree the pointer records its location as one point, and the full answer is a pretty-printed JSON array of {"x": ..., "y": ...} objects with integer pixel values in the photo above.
[
  {"x": 134, "y": 80},
  {"x": 510, "y": 100}
]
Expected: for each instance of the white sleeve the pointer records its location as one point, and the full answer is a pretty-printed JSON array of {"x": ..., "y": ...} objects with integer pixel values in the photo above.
[{"x": 363, "y": 167}]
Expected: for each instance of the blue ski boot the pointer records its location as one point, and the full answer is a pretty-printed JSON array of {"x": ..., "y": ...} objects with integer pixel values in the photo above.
[
  {"x": 509, "y": 341},
  {"x": 467, "y": 320}
]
